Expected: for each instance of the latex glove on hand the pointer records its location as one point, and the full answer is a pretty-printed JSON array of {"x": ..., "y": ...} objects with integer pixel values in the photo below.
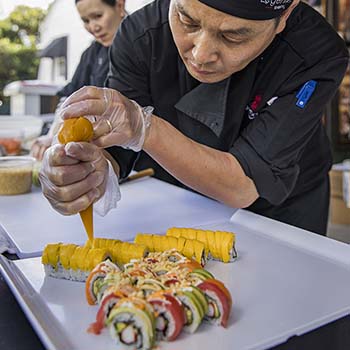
[
  {"x": 40, "y": 145},
  {"x": 119, "y": 121},
  {"x": 73, "y": 176}
]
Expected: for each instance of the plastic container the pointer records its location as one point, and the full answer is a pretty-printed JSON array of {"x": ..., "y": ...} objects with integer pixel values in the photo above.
[
  {"x": 16, "y": 175},
  {"x": 11, "y": 141}
]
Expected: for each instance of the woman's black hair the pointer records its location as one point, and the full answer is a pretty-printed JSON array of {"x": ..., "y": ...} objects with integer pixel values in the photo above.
[{"x": 107, "y": 2}]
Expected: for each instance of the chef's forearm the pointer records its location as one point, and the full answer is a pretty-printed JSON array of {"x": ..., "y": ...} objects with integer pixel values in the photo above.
[{"x": 214, "y": 173}]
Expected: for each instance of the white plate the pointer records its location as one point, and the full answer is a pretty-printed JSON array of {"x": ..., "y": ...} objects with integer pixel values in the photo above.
[{"x": 279, "y": 288}]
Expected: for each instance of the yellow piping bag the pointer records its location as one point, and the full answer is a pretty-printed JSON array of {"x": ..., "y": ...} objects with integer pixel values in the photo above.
[{"x": 79, "y": 130}]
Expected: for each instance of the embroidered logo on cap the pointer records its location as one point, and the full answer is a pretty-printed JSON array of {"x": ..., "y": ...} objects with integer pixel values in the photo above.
[{"x": 276, "y": 4}]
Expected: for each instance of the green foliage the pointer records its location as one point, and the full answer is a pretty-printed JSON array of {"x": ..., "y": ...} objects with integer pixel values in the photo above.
[
  {"x": 18, "y": 52},
  {"x": 22, "y": 19}
]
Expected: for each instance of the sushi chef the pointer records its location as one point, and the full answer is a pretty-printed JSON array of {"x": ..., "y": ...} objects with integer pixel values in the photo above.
[{"x": 224, "y": 97}]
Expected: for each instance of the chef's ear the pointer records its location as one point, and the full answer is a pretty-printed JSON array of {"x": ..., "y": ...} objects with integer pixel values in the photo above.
[
  {"x": 283, "y": 18},
  {"x": 121, "y": 7}
]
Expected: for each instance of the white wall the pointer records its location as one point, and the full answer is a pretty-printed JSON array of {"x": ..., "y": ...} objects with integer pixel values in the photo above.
[
  {"x": 63, "y": 19},
  {"x": 133, "y": 5}
]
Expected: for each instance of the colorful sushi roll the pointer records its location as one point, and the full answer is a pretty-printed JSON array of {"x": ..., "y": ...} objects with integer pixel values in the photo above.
[
  {"x": 131, "y": 322},
  {"x": 111, "y": 296},
  {"x": 170, "y": 315},
  {"x": 219, "y": 301},
  {"x": 96, "y": 279},
  {"x": 148, "y": 286},
  {"x": 195, "y": 306},
  {"x": 197, "y": 276}
]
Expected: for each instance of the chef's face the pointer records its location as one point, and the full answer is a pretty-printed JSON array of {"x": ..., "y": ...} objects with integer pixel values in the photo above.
[
  {"x": 101, "y": 19},
  {"x": 213, "y": 45}
]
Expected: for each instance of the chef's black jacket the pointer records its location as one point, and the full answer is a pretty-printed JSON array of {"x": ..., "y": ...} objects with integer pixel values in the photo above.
[
  {"x": 91, "y": 70},
  {"x": 253, "y": 114}
]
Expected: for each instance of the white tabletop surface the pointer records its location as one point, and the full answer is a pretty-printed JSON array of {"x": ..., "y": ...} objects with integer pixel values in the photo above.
[
  {"x": 285, "y": 282},
  {"x": 147, "y": 205}
]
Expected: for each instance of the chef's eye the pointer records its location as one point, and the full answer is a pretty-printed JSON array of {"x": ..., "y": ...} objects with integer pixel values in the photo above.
[
  {"x": 187, "y": 22},
  {"x": 231, "y": 40}
]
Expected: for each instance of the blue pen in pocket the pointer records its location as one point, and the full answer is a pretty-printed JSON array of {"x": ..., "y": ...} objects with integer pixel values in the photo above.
[{"x": 305, "y": 93}]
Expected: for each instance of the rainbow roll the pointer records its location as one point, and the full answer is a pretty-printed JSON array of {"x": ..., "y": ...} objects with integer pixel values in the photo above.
[
  {"x": 195, "y": 306},
  {"x": 96, "y": 279},
  {"x": 131, "y": 323},
  {"x": 219, "y": 301},
  {"x": 170, "y": 316}
]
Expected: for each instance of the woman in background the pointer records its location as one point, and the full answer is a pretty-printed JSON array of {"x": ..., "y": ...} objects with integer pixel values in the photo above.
[{"x": 101, "y": 18}]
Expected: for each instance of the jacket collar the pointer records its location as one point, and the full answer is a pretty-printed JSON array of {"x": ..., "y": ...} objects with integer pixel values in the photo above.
[{"x": 207, "y": 104}]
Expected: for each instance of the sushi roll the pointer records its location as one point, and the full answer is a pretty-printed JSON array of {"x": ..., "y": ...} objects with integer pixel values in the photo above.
[
  {"x": 65, "y": 254},
  {"x": 219, "y": 245},
  {"x": 96, "y": 279},
  {"x": 124, "y": 252},
  {"x": 197, "y": 276},
  {"x": 219, "y": 301},
  {"x": 110, "y": 298},
  {"x": 50, "y": 259},
  {"x": 149, "y": 285},
  {"x": 72, "y": 262},
  {"x": 195, "y": 306},
  {"x": 192, "y": 249},
  {"x": 131, "y": 322},
  {"x": 115, "y": 279},
  {"x": 170, "y": 315},
  {"x": 102, "y": 243},
  {"x": 195, "y": 250}
]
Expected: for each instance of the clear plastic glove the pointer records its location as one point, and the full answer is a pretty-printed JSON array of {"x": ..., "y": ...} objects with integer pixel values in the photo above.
[
  {"x": 73, "y": 176},
  {"x": 118, "y": 120},
  {"x": 40, "y": 145}
]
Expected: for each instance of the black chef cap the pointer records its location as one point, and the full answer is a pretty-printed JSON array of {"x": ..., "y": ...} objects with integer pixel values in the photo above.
[{"x": 250, "y": 9}]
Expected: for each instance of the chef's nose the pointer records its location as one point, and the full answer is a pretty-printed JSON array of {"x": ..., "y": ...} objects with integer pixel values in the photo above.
[
  {"x": 204, "y": 49},
  {"x": 95, "y": 27}
]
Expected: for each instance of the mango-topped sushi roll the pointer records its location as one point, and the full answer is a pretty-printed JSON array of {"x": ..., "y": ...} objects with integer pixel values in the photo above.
[
  {"x": 72, "y": 262},
  {"x": 219, "y": 245},
  {"x": 192, "y": 249}
]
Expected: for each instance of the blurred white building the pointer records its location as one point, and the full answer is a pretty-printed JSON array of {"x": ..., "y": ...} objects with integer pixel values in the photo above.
[{"x": 63, "y": 39}]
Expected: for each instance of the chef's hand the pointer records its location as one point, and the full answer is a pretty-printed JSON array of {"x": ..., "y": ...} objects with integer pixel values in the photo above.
[
  {"x": 73, "y": 176},
  {"x": 119, "y": 121},
  {"x": 40, "y": 145}
]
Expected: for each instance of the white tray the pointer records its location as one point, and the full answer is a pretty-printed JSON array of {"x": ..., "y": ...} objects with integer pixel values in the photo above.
[
  {"x": 286, "y": 282},
  {"x": 147, "y": 205}
]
